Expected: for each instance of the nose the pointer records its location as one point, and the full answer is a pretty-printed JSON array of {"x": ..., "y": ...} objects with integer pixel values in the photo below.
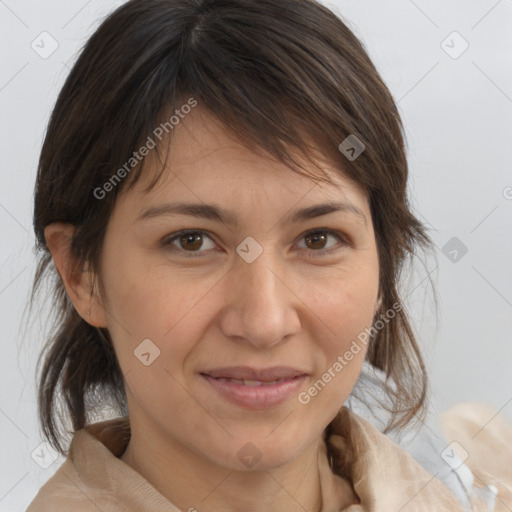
[{"x": 260, "y": 307}]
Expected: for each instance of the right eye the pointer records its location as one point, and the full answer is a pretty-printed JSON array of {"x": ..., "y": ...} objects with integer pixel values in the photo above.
[{"x": 190, "y": 241}]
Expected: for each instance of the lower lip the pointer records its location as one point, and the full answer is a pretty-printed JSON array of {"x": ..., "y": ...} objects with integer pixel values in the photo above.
[{"x": 256, "y": 397}]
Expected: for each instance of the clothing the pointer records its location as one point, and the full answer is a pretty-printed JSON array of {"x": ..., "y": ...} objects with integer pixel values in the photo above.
[
  {"x": 481, "y": 437},
  {"x": 425, "y": 441},
  {"x": 384, "y": 476},
  {"x": 468, "y": 447}
]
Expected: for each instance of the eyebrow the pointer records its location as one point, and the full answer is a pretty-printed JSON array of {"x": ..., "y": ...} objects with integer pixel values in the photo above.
[{"x": 217, "y": 214}]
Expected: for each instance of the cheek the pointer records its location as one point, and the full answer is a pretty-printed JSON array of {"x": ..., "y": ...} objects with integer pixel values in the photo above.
[
  {"x": 154, "y": 303},
  {"x": 344, "y": 299},
  {"x": 152, "y": 331},
  {"x": 148, "y": 298},
  {"x": 345, "y": 310}
]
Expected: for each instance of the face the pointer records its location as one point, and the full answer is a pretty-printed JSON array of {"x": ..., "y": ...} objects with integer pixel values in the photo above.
[{"x": 263, "y": 288}]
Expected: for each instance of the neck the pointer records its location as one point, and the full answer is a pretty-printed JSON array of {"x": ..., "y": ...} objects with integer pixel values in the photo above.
[{"x": 193, "y": 482}]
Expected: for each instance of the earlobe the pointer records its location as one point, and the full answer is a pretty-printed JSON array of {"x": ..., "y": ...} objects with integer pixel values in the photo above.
[{"x": 79, "y": 283}]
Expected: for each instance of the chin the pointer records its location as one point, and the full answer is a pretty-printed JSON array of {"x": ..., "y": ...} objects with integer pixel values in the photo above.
[{"x": 253, "y": 453}]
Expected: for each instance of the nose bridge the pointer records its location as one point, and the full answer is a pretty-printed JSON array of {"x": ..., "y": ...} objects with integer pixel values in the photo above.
[
  {"x": 260, "y": 282},
  {"x": 259, "y": 307}
]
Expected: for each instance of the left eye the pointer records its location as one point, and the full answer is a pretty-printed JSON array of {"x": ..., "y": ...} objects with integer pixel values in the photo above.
[
  {"x": 320, "y": 236},
  {"x": 194, "y": 240}
]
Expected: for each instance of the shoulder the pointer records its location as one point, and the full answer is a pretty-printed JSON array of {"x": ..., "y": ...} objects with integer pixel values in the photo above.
[
  {"x": 382, "y": 472},
  {"x": 84, "y": 482},
  {"x": 93, "y": 478},
  {"x": 64, "y": 492}
]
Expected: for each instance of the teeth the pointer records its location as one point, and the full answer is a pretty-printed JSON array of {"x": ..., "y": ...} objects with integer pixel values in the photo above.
[
  {"x": 236, "y": 381},
  {"x": 251, "y": 383},
  {"x": 260, "y": 383}
]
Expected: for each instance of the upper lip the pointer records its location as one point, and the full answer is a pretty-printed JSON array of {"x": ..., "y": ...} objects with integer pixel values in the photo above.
[{"x": 248, "y": 373}]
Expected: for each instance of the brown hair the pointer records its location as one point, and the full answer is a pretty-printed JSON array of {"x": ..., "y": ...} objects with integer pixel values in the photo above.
[{"x": 279, "y": 73}]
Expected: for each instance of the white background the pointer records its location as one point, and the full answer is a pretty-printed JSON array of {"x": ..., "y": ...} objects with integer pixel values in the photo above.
[{"x": 457, "y": 113}]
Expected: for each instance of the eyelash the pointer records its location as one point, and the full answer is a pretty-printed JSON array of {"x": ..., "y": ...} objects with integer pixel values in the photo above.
[{"x": 197, "y": 254}]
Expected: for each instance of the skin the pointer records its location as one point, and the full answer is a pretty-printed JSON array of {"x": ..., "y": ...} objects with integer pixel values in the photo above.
[{"x": 290, "y": 306}]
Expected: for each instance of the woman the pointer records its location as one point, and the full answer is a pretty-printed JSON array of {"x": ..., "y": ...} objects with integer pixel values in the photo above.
[{"x": 222, "y": 192}]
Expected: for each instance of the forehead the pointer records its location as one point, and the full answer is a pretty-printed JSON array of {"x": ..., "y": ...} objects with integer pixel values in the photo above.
[{"x": 204, "y": 160}]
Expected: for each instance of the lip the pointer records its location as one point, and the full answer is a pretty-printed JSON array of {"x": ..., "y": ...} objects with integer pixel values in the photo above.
[
  {"x": 255, "y": 397},
  {"x": 248, "y": 373}
]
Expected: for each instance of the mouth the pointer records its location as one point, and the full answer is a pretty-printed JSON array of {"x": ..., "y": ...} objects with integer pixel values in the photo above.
[
  {"x": 246, "y": 382},
  {"x": 255, "y": 389},
  {"x": 247, "y": 373}
]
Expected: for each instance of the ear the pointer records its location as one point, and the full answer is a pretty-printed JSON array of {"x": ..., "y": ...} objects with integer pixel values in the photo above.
[{"x": 79, "y": 283}]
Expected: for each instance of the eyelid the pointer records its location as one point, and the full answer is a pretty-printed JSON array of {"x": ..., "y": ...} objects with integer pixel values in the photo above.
[{"x": 342, "y": 237}]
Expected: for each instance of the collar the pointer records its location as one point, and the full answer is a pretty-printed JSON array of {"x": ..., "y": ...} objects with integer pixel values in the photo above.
[{"x": 382, "y": 475}]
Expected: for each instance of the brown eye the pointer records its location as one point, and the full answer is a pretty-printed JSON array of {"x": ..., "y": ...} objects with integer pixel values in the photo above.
[
  {"x": 317, "y": 239},
  {"x": 188, "y": 242},
  {"x": 192, "y": 241}
]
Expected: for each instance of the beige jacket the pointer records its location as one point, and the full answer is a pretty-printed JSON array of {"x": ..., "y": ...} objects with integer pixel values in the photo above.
[{"x": 383, "y": 475}]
